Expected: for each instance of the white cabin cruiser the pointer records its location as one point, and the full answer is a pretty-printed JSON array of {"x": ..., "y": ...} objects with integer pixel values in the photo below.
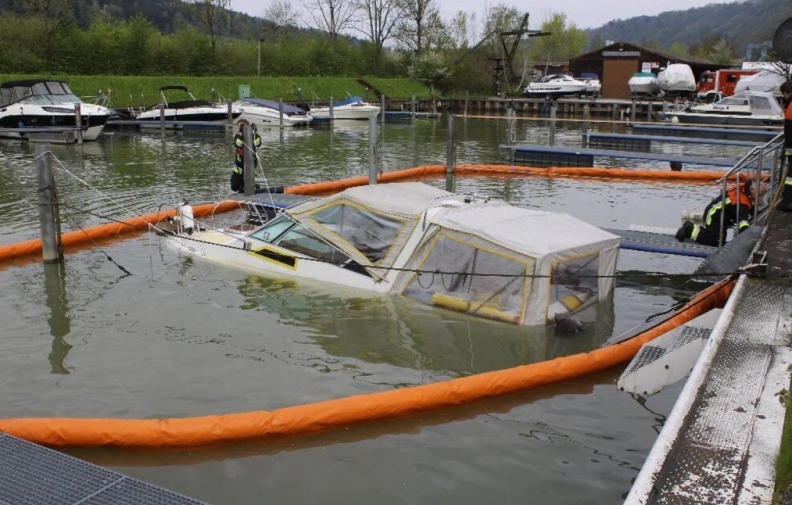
[
  {"x": 431, "y": 246},
  {"x": 352, "y": 108},
  {"x": 593, "y": 84},
  {"x": 748, "y": 108},
  {"x": 644, "y": 84},
  {"x": 187, "y": 109},
  {"x": 556, "y": 85},
  {"x": 47, "y": 103},
  {"x": 267, "y": 113}
]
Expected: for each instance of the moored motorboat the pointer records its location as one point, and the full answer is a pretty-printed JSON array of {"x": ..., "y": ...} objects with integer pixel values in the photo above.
[
  {"x": 644, "y": 84},
  {"x": 748, "y": 108},
  {"x": 593, "y": 84},
  {"x": 431, "y": 246},
  {"x": 267, "y": 113},
  {"x": 43, "y": 103},
  {"x": 187, "y": 109},
  {"x": 554, "y": 86},
  {"x": 352, "y": 108}
]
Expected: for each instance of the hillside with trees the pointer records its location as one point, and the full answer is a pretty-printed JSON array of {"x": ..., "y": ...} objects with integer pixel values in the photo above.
[
  {"x": 697, "y": 31},
  {"x": 346, "y": 38}
]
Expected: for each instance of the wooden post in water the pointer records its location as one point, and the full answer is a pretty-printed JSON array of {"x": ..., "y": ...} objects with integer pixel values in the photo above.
[
  {"x": 162, "y": 118},
  {"x": 249, "y": 168},
  {"x": 78, "y": 123},
  {"x": 552, "y": 122},
  {"x": 230, "y": 116},
  {"x": 51, "y": 247},
  {"x": 412, "y": 107},
  {"x": 373, "y": 150},
  {"x": 280, "y": 113},
  {"x": 382, "y": 108},
  {"x": 450, "y": 144},
  {"x": 467, "y": 98}
]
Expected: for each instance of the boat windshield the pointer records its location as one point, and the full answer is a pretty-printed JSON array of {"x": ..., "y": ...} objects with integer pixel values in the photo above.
[
  {"x": 284, "y": 232},
  {"x": 734, "y": 100},
  {"x": 370, "y": 233},
  {"x": 40, "y": 93}
]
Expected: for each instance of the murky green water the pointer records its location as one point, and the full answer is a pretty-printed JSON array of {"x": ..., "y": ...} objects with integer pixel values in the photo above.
[{"x": 180, "y": 337}]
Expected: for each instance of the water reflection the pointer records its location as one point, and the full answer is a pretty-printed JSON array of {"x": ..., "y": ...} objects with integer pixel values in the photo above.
[
  {"x": 386, "y": 329},
  {"x": 59, "y": 320}
]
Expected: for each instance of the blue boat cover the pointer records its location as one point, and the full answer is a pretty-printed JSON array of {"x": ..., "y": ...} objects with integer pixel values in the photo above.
[{"x": 287, "y": 109}]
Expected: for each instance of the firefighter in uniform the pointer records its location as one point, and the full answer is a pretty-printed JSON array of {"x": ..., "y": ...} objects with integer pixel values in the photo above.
[
  {"x": 237, "y": 172},
  {"x": 786, "y": 201},
  {"x": 736, "y": 208}
]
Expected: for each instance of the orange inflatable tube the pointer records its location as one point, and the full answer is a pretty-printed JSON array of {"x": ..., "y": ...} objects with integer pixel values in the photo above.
[
  {"x": 344, "y": 411},
  {"x": 135, "y": 224}
]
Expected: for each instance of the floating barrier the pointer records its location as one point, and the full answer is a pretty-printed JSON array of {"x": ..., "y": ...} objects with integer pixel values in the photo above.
[
  {"x": 337, "y": 413},
  {"x": 72, "y": 239}
]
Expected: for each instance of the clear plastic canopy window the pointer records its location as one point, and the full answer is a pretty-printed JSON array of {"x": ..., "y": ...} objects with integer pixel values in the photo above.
[
  {"x": 371, "y": 234},
  {"x": 474, "y": 289}
]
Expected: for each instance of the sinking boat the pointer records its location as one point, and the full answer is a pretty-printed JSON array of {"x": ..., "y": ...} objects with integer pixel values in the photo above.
[
  {"x": 352, "y": 108},
  {"x": 267, "y": 113},
  {"x": 473, "y": 255},
  {"x": 747, "y": 108},
  {"x": 42, "y": 103},
  {"x": 644, "y": 84},
  {"x": 556, "y": 85},
  {"x": 188, "y": 108}
]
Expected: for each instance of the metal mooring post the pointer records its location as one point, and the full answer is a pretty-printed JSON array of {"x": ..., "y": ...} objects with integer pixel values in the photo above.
[
  {"x": 230, "y": 116},
  {"x": 162, "y": 118},
  {"x": 78, "y": 123},
  {"x": 467, "y": 98},
  {"x": 412, "y": 107},
  {"x": 648, "y": 111},
  {"x": 382, "y": 108},
  {"x": 331, "y": 111},
  {"x": 450, "y": 144},
  {"x": 280, "y": 113},
  {"x": 372, "y": 150},
  {"x": 552, "y": 122},
  {"x": 249, "y": 169},
  {"x": 633, "y": 111},
  {"x": 51, "y": 246}
]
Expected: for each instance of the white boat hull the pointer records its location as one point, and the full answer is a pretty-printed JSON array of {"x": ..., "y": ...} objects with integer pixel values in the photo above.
[
  {"x": 272, "y": 118},
  {"x": 364, "y": 111},
  {"x": 228, "y": 249}
]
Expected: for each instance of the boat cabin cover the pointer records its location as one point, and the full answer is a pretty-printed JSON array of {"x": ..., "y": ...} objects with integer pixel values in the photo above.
[{"x": 486, "y": 258}]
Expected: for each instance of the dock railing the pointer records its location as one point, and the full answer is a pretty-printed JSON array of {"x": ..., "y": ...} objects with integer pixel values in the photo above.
[{"x": 754, "y": 161}]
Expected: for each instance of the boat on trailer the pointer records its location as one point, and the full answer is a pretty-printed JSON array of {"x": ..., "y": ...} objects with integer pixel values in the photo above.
[
  {"x": 474, "y": 255},
  {"x": 188, "y": 108},
  {"x": 556, "y": 86},
  {"x": 47, "y": 103}
]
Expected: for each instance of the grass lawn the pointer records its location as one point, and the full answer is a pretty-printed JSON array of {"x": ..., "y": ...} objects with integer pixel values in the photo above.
[{"x": 142, "y": 90}]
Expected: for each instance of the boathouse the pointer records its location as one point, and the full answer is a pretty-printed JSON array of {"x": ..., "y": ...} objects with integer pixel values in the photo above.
[{"x": 617, "y": 62}]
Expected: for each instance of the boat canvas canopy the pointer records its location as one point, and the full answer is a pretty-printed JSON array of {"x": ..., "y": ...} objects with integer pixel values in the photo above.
[
  {"x": 513, "y": 264},
  {"x": 349, "y": 101},
  {"x": 371, "y": 224},
  {"x": 759, "y": 102}
]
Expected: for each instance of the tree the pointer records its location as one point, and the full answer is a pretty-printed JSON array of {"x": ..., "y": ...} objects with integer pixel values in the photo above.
[
  {"x": 565, "y": 41},
  {"x": 411, "y": 30},
  {"x": 721, "y": 53},
  {"x": 281, "y": 13},
  {"x": 332, "y": 16},
  {"x": 430, "y": 69},
  {"x": 212, "y": 13},
  {"x": 461, "y": 29},
  {"x": 497, "y": 19},
  {"x": 678, "y": 49},
  {"x": 379, "y": 20},
  {"x": 53, "y": 15}
]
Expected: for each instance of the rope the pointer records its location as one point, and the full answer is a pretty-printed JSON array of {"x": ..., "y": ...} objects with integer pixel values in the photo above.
[{"x": 109, "y": 258}]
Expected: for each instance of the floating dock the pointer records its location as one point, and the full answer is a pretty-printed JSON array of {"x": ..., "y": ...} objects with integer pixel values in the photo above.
[
  {"x": 644, "y": 142},
  {"x": 559, "y": 156},
  {"x": 207, "y": 126},
  {"x": 706, "y": 132},
  {"x": 720, "y": 442}
]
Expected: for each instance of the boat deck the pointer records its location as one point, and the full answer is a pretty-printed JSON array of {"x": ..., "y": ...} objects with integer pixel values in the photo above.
[{"x": 721, "y": 440}]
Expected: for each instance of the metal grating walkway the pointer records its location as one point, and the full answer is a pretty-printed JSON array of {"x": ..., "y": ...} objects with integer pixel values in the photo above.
[
  {"x": 34, "y": 475},
  {"x": 719, "y": 449}
]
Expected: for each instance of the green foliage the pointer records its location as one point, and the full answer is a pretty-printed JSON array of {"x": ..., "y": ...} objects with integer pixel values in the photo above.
[
  {"x": 565, "y": 41},
  {"x": 138, "y": 91},
  {"x": 430, "y": 68}
]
